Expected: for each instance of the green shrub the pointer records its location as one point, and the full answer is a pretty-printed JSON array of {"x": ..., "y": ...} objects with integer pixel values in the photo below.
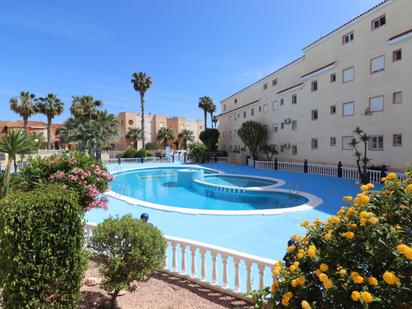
[
  {"x": 152, "y": 146},
  {"x": 198, "y": 152},
  {"x": 143, "y": 153},
  {"x": 360, "y": 258},
  {"x": 128, "y": 249},
  {"x": 133, "y": 153},
  {"x": 77, "y": 171},
  {"x": 210, "y": 137},
  {"x": 41, "y": 257},
  {"x": 253, "y": 134}
]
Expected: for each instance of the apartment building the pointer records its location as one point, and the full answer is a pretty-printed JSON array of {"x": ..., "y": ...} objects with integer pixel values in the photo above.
[
  {"x": 153, "y": 123},
  {"x": 359, "y": 74}
]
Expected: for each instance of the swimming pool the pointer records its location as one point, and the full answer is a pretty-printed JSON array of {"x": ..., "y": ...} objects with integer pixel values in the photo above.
[{"x": 213, "y": 193}]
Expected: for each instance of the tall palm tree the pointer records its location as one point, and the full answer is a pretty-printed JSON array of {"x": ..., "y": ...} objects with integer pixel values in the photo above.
[
  {"x": 105, "y": 128},
  {"x": 204, "y": 103},
  {"x": 211, "y": 110},
  {"x": 84, "y": 107},
  {"x": 166, "y": 135},
  {"x": 184, "y": 137},
  {"x": 13, "y": 143},
  {"x": 141, "y": 83},
  {"x": 50, "y": 106},
  {"x": 24, "y": 106},
  {"x": 134, "y": 134}
]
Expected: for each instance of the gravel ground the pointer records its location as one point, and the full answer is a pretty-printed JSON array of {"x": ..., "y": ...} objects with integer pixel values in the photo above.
[{"x": 162, "y": 291}]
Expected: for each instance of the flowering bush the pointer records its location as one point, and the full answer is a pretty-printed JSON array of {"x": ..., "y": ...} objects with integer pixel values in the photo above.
[
  {"x": 359, "y": 258},
  {"x": 76, "y": 171}
]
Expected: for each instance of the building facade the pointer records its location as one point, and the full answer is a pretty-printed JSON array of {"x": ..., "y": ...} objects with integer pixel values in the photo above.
[
  {"x": 359, "y": 75},
  {"x": 153, "y": 123}
]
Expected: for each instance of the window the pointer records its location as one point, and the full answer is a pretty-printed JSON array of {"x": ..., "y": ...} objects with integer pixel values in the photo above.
[
  {"x": 282, "y": 101},
  {"x": 314, "y": 143},
  {"x": 275, "y": 105},
  {"x": 282, "y": 148},
  {"x": 333, "y": 141},
  {"x": 121, "y": 122},
  {"x": 224, "y": 107},
  {"x": 182, "y": 126},
  {"x": 348, "y": 75},
  {"x": 131, "y": 122},
  {"x": 244, "y": 114},
  {"x": 314, "y": 114},
  {"x": 348, "y": 109},
  {"x": 314, "y": 86},
  {"x": 275, "y": 128},
  {"x": 294, "y": 99},
  {"x": 265, "y": 86},
  {"x": 347, "y": 38},
  {"x": 282, "y": 126},
  {"x": 397, "y": 55},
  {"x": 294, "y": 150},
  {"x": 252, "y": 112},
  {"x": 347, "y": 142},
  {"x": 274, "y": 82},
  {"x": 235, "y": 100},
  {"x": 294, "y": 125},
  {"x": 397, "y": 97},
  {"x": 265, "y": 108},
  {"x": 378, "y": 22},
  {"x": 260, "y": 108},
  {"x": 376, "y": 142},
  {"x": 161, "y": 125},
  {"x": 376, "y": 104},
  {"x": 377, "y": 64},
  {"x": 333, "y": 77},
  {"x": 333, "y": 109},
  {"x": 397, "y": 140}
]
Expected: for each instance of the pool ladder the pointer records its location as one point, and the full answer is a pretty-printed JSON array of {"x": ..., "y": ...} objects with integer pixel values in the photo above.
[{"x": 295, "y": 189}]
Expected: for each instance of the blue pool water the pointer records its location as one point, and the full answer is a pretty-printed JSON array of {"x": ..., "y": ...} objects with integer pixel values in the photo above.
[
  {"x": 236, "y": 181},
  {"x": 160, "y": 186}
]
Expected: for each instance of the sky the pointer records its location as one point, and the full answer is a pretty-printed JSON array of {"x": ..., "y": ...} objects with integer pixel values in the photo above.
[{"x": 190, "y": 48}]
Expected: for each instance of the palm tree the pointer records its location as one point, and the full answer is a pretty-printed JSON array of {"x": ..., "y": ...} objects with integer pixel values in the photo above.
[
  {"x": 13, "y": 143},
  {"x": 135, "y": 134},
  {"x": 105, "y": 128},
  {"x": 204, "y": 103},
  {"x": 211, "y": 110},
  {"x": 24, "y": 106},
  {"x": 166, "y": 135},
  {"x": 50, "y": 106},
  {"x": 141, "y": 83},
  {"x": 184, "y": 137},
  {"x": 84, "y": 107}
]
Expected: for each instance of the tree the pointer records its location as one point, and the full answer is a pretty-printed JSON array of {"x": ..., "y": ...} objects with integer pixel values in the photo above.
[
  {"x": 24, "y": 106},
  {"x": 84, "y": 107},
  {"x": 270, "y": 150},
  {"x": 210, "y": 137},
  {"x": 165, "y": 135},
  {"x": 184, "y": 137},
  {"x": 361, "y": 159},
  {"x": 128, "y": 249},
  {"x": 13, "y": 143},
  {"x": 134, "y": 134},
  {"x": 198, "y": 152},
  {"x": 141, "y": 83},
  {"x": 204, "y": 103},
  {"x": 50, "y": 106},
  {"x": 252, "y": 134},
  {"x": 211, "y": 110}
]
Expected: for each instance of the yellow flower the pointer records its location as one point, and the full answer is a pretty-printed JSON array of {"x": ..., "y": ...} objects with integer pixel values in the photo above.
[
  {"x": 324, "y": 267},
  {"x": 327, "y": 236},
  {"x": 323, "y": 277},
  {"x": 364, "y": 188},
  {"x": 364, "y": 199},
  {"x": 299, "y": 256},
  {"x": 383, "y": 179},
  {"x": 318, "y": 272},
  {"x": 305, "y": 305},
  {"x": 355, "y": 296},
  {"x": 402, "y": 248},
  {"x": 409, "y": 188},
  {"x": 362, "y": 222},
  {"x": 370, "y": 186},
  {"x": 275, "y": 286},
  {"x": 328, "y": 284},
  {"x": 312, "y": 251},
  {"x": 348, "y": 235},
  {"x": 364, "y": 214},
  {"x": 390, "y": 278},
  {"x": 305, "y": 223},
  {"x": 357, "y": 201},
  {"x": 292, "y": 268},
  {"x": 343, "y": 272},
  {"x": 372, "y": 220},
  {"x": 366, "y": 297},
  {"x": 301, "y": 280},
  {"x": 285, "y": 300},
  {"x": 294, "y": 283},
  {"x": 372, "y": 281},
  {"x": 408, "y": 253},
  {"x": 358, "y": 279},
  {"x": 291, "y": 248},
  {"x": 391, "y": 176},
  {"x": 347, "y": 198}
]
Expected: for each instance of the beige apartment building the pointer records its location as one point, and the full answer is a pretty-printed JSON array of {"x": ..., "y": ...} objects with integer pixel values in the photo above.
[
  {"x": 153, "y": 123},
  {"x": 359, "y": 74}
]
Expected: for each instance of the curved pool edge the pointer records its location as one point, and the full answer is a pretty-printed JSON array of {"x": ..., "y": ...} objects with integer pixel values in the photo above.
[{"x": 277, "y": 183}]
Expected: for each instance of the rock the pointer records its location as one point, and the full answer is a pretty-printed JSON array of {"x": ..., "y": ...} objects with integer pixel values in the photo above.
[{"x": 92, "y": 281}]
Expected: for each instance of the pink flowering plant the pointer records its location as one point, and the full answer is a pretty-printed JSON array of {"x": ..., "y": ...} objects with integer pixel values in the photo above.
[{"x": 76, "y": 171}]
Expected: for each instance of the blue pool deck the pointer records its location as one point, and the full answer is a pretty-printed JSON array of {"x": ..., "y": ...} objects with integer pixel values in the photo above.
[{"x": 262, "y": 235}]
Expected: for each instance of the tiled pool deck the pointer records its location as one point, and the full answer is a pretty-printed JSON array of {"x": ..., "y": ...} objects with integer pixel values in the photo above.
[{"x": 262, "y": 235}]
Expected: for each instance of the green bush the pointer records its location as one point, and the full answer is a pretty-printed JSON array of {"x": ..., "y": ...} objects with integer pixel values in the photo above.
[
  {"x": 198, "y": 152},
  {"x": 41, "y": 257},
  {"x": 133, "y": 153},
  {"x": 143, "y": 153},
  {"x": 128, "y": 249},
  {"x": 210, "y": 137},
  {"x": 152, "y": 146}
]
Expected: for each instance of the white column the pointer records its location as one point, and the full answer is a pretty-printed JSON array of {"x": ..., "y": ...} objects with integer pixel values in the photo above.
[
  {"x": 214, "y": 267},
  {"x": 248, "y": 278},
  {"x": 225, "y": 276},
  {"x": 203, "y": 264},
  {"x": 261, "y": 268},
  {"x": 193, "y": 252},
  {"x": 183, "y": 247},
  {"x": 237, "y": 275},
  {"x": 174, "y": 257}
]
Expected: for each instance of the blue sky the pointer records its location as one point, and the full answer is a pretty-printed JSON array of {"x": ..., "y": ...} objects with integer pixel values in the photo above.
[{"x": 190, "y": 48}]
